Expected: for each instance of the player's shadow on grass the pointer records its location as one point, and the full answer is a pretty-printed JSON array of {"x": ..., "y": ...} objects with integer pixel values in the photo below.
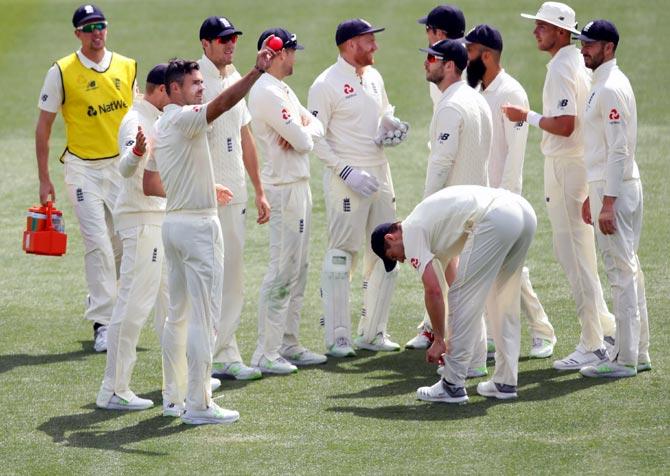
[
  {"x": 83, "y": 430},
  {"x": 407, "y": 363}
]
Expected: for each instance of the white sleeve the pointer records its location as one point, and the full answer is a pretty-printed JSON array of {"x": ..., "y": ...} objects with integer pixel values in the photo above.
[
  {"x": 321, "y": 105},
  {"x": 51, "y": 95},
  {"x": 128, "y": 161},
  {"x": 562, "y": 92},
  {"x": 151, "y": 164},
  {"x": 314, "y": 127},
  {"x": 192, "y": 119},
  {"x": 246, "y": 115},
  {"x": 616, "y": 120},
  {"x": 516, "y": 136},
  {"x": 417, "y": 247},
  {"x": 443, "y": 149}
]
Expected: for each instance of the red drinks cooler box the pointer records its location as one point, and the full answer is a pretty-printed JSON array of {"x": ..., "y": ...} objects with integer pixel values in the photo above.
[{"x": 45, "y": 231}]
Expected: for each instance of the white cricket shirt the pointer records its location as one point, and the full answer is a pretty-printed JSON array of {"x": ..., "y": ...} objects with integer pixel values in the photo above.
[
  {"x": 508, "y": 139},
  {"x": 350, "y": 108},
  {"x": 225, "y": 143},
  {"x": 132, "y": 207},
  {"x": 566, "y": 86},
  {"x": 460, "y": 139},
  {"x": 181, "y": 152},
  {"x": 277, "y": 113},
  {"x": 439, "y": 226},
  {"x": 610, "y": 129}
]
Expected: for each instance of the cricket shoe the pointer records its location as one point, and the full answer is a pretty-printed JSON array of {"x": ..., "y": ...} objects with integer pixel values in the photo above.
[
  {"x": 341, "y": 348},
  {"x": 279, "y": 366},
  {"x": 212, "y": 415},
  {"x": 608, "y": 342},
  {"x": 100, "y": 339},
  {"x": 422, "y": 340},
  {"x": 235, "y": 370},
  {"x": 118, "y": 403},
  {"x": 381, "y": 343},
  {"x": 609, "y": 370},
  {"x": 214, "y": 384},
  {"x": 490, "y": 349},
  {"x": 579, "y": 359},
  {"x": 442, "y": 391},
  {"x": 472, "y": 372},
  {"x": 500, "y": 391},
  {"x": 541, "y": 348},
  {"x": 299, "y": 356},
  {"x": 173, "y": 409},
  {"x": 643, "y": 366}
]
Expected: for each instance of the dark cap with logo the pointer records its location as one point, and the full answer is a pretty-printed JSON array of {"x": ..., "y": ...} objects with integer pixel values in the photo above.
[
  {"x": 214, "y": 27},
  {"x": 599, "y": 30},
  {"x": 348, "y": 29},
  {"x": 485, "y": 35},
  {"x": 157, "y": 74},
  {"x": 377, "y": 244},
  {"x": 449, "y": 18},
  {"x": 86, "y": 14},
  {"x": 449, "y": 50},
  {"x": 290, "y": 40}
]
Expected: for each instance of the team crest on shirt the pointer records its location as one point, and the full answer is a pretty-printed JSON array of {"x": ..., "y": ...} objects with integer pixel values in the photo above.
[
  {"x": 415, "y": 263},
  {"x": 117, "y": 84},
  {"x": 614, "y": 116},
  {"x": 285, "y": 114},
  {"x": 349, "y": 91}
]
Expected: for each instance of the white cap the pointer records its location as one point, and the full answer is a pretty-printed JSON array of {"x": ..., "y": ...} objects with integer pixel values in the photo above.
[{"x": 557, "y": 14}]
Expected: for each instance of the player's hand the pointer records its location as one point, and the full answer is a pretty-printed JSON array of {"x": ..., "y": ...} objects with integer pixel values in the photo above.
[
  {"x": 284, "y": 144},
  {"x": 47, "y": 190},
  {"x": 263, "y": 208},
  {"x": 515, "y": 113},
  {"x": 265, "y": 55},
  {"x": 586, "y": 212},
  {"x": 140, "y": 142},
  {"x": 607, "y": 217},
  {"x": 359, "y": 181},
  {"x": 223, "y": 194},
  {"x": 435, "y": 352}
]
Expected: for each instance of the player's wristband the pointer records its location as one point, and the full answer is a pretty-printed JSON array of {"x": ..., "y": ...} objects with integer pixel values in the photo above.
[
  {"x": 533, "y": 118},
  {"x": 137, "y": 153}
]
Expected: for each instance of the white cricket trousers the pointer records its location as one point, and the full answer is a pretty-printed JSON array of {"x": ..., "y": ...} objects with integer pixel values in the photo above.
[
  {"x": 351, "y": 220},
  {"x": 565, "y": 190},
  {"x": 232, "y": 218},
  {"x": 141, "y": 269},
  {"x": 619, "y": 252},
  {"x": 283, "y": 290},
  {"x": 93, "y": 186},
  {"x": 194, "y": 252},
  {"x": 489, "y": 274}
]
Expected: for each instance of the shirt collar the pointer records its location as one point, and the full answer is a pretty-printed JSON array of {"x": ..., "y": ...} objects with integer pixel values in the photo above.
[
  {"x": 495, "y": 84},
  {"x": 208, "y": 68},
  {"x": 349, "y": 68},
  {"x": 564, "y": 51},
  {"x": 100, "y": 67},
  {"x": 602, "y": 71}
]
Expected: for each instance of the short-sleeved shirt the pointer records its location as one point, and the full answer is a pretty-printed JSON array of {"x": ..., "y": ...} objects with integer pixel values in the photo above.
[
  {"x": 566, "y": 86},
  {"x": 350, "y": 108},
  {"x": 225, "y": 143},
  {"x": 277, "y": 113},
  {"x": 181, "y": 152},
  {"x": 610, "y": 129},
  {"x": 508, "y": 139},
  {"x": 439, "y": 226}
]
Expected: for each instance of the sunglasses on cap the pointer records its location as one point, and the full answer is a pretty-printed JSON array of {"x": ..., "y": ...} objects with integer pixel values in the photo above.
[
  {"x": 433, "y": 58},
  {"x": 222, "y": 40},
  {"x": 100, "y": 25}
]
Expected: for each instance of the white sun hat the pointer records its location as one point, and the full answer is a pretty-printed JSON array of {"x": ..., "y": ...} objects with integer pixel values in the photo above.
[{"x": 557, "y": 14}]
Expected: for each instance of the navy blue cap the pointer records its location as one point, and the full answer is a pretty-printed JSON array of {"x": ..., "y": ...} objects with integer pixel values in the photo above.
[
  {"x": 448, "y": 18},
  {"x": 289, "y": 39},
  {"x": 378, "y": 246},
  {"x": 354, "y": 27},
  {"x": 449, "y": 50},
  {"x": 86, "y": 14},
  {"x": 485, "y": 35},
  {"x": 599, "y": 30},
  {"x": 157, "y": 74},
  {"x": 214, "y": 27}
]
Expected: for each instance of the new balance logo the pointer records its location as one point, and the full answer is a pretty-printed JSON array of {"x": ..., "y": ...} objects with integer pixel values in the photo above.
[
  {"x": 80, "y": 195},
  {"x": 363, "y": 312},
  {"x": 365, "y": 285},
  {"x": 346, "y": 205},
  {"x": 229, "y": 144},
  {"x": 154, "y": 255},
  {"x": 301, "y": 226}
]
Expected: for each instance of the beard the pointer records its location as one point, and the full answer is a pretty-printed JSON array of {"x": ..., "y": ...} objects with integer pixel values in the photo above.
[{"x": 475, "y": 71}]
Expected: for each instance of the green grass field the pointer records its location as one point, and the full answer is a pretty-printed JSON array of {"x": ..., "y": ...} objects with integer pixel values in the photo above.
[{"x": 357, "y": 416}]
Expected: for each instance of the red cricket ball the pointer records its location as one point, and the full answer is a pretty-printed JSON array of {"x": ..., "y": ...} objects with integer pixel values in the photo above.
[{"x": 275, "y": 43}]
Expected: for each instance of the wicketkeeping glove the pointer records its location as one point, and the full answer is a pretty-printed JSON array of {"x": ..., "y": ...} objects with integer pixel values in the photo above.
[
  {"x": 359, "y": 181},
  {"x": 392, "y": 131}
]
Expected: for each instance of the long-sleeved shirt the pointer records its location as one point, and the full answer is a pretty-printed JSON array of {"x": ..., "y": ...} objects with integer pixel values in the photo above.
[
  {"x": 277, "y": 113},
  {"x": 610, "y": 129}
]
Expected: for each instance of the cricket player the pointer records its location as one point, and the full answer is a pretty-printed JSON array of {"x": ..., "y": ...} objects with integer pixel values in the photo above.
[
  {"x": 93, "y": 88},
  {"x": 565, "y": 91},
  {"x": 192, "y": 234},
  {"x": 615, "y": 197},
  {"x": 491, "y": 229},
  {"x": 233, "y": 150},
  {"x": 350, "y": 100},
  {"x": 138, "y": 219},
  {"x": 508, "y": 148},
  {"x": 285, "y": 132},
  {"x": 442, "y": 22}
]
